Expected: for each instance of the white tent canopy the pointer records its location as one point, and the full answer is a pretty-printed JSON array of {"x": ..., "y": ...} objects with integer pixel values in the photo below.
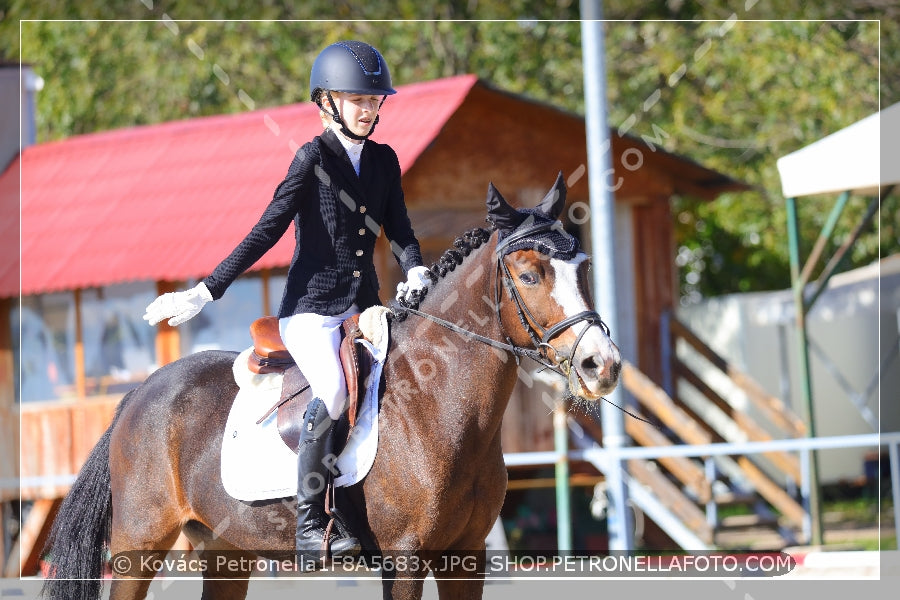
[{"x": 858, "y": 158}]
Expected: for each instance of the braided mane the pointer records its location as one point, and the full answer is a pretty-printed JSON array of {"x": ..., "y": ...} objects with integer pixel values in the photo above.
[{"x": 449, "y": 260}]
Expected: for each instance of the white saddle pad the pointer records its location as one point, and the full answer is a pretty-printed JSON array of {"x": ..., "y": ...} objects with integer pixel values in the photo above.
[{"x": 256, "y": 463}]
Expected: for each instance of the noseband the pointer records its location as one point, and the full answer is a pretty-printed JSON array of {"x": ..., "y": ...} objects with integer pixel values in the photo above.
[{"x": 539, "y": 335}]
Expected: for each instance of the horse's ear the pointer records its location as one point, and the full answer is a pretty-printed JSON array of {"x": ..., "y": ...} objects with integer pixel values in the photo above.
[
  {"x": 500, "y": 213},
  {"x": 553, "y": 203}
]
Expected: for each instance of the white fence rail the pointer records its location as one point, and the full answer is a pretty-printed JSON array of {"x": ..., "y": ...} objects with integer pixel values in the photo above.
[{"x": 804, "y": 446}]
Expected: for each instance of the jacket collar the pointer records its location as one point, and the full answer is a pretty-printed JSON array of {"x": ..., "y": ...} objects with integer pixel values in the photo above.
[
  {"x": 330, "y": 138},
  {"x": 346, "y": 175}
]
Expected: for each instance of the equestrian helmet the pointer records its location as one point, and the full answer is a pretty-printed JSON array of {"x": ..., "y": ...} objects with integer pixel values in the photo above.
[{"x": 350, "y": 66}]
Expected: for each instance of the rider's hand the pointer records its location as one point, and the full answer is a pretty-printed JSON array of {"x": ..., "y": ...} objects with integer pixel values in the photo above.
[
  {"x": 178, "y": 307},
  {"x": 417, "y": 280}
]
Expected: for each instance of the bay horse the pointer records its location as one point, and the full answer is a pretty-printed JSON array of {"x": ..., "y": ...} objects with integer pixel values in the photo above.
[{"x": 517, "y": 288}]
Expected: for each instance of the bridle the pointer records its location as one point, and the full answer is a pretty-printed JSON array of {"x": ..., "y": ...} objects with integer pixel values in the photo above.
[{"x": 540, "y": 336}]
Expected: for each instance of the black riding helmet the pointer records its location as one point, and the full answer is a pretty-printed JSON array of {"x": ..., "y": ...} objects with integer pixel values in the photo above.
[{"x": 352, "y": 67}]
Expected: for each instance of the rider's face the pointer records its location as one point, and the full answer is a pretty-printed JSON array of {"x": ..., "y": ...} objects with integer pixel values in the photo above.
[{"x": 358, "y": 111}]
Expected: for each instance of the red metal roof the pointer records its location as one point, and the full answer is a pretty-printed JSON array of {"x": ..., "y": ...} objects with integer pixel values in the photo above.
[
  {"x": 169, "y": 201},
  {"x": 9, "y": 230}
]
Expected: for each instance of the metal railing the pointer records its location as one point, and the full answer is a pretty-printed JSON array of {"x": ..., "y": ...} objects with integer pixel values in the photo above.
[{"x": 613, "y": 457}]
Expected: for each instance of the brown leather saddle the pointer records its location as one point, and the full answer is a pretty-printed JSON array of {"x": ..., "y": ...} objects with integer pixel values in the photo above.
[{"x": 269, "y": 355}]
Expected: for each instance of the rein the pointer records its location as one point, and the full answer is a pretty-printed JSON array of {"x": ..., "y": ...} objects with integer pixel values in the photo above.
[
  {"x": 540, "y": 336},
  {"x": 516, "y": 350}
]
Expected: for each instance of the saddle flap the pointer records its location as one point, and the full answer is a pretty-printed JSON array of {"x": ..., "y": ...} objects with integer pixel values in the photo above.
[
  {"x": 258, "y": 464},
  {"x": 269, "y": 355},
  {"x": 295, "y": 397}
]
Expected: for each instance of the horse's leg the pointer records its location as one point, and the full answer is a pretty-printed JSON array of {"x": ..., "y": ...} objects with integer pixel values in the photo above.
[
  {"x": 146, "y": 519},
  {"x": 218, "y": 589},
  {"x": 130, "y": 579},
  {"x": 402, "y": 585},
  {"x": 459, "y": 575},
  {"x": 404, "y": 571},
  {"x": 126, "y": 588},
  {"x": 218, "y": 583},
  {"x": 225, "y": 578},
  {"x": 459, "y": 584}
]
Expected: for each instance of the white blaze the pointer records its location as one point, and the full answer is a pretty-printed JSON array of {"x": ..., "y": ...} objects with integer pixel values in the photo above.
[{"x": 566, "y": 293}]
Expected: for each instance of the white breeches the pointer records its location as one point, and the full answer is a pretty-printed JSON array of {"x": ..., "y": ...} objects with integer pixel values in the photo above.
[{"x": 314, "y": 343}]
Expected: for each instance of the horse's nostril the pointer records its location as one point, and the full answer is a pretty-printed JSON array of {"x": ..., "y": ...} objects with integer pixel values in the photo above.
[
  {"x": 595, "y": 367},
  {"x": 590, "y": 366}
]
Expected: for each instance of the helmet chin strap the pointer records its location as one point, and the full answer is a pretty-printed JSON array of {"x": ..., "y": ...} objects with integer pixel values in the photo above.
[{"x": 336, "y": 117}]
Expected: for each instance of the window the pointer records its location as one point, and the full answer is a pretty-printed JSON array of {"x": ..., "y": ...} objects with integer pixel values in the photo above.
[
  {"x": 225, "y": 323},
  {"x": 277, "y": 281},
  {"x": 119, "y": 346},
  {"x": 43, "y": 336}
]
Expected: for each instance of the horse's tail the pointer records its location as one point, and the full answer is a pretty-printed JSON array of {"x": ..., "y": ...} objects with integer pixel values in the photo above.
[{"x": 78, "y": 542}]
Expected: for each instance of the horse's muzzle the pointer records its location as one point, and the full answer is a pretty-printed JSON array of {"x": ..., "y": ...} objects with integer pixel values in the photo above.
[{"x": 595, "y": 373}]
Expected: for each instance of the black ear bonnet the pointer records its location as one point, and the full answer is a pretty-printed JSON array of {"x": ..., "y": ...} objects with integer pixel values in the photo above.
[{"x": 535, "y": 228}]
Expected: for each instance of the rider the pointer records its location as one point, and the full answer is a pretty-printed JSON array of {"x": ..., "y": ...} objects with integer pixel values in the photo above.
[{"x": 340, "y": 190}]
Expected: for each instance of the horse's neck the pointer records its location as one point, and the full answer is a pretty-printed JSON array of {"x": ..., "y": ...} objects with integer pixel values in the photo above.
[{"x": 469, "y": 374}]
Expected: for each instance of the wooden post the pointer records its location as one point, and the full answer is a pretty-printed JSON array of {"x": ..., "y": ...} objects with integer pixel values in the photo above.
[
  {"x": 9, "y": 421},
  {"x": 80, "y": 379},
  {"x": 9, "y": 428},
  {"x": 34, "y": 534},
  {"x": 264, "y": 276},
  {"x": 168, "y": 339}
]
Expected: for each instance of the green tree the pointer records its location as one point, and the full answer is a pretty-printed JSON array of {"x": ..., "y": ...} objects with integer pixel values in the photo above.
[
  {"x": 729, "y": 92},
  {"x": 749, "y": 93}
]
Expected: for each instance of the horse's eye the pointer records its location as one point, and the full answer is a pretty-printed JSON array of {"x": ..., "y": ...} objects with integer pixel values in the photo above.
[{"x": 528, "y": 278}]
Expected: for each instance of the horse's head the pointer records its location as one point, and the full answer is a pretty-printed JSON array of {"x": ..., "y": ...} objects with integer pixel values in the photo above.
[{"x": 545, "y": 301}]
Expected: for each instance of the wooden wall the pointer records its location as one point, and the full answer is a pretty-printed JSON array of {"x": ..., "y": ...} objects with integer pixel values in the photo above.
[
  {"x": 656, "y": 280},
  {"x": 520, "y": 146},
  {"x": 9, "y": 422},
  {"x": 57, "y": 438}
]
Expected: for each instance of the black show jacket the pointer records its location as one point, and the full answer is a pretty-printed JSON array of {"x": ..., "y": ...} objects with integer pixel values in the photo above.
[{"x": 337, "y": 219}]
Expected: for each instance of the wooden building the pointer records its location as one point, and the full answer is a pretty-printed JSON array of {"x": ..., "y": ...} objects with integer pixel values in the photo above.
[{"x": 158, "y": 206}]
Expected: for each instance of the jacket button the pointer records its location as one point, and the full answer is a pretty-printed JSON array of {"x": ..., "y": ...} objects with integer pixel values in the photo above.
[
  {"x": 359, "y": 252},
  {"x": 362, "y": 209},
  {"x": 356, "y": 273},
  {"x": 362, "y": 231}
]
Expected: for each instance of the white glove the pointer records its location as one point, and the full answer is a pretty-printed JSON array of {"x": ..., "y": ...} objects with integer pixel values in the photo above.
[
  {"x": 178, "y": 307},
  {"x": 417, "y": 280}
]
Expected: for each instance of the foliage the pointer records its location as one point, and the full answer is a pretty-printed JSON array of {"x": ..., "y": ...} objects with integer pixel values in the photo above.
[{"x": 733, "y": 92}]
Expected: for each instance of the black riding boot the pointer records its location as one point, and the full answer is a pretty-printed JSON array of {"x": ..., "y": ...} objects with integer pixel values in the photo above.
[{"x": 314, "y": 458}]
